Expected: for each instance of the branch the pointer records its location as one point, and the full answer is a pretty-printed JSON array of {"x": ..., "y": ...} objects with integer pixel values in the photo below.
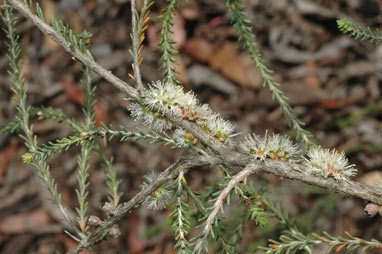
[
  {"x": 166, "y": 44},
  {"x": 300, "y": 172},
  {"x": 137, "y": 72},
  {"x": 292, "y": 240},
  {"x": 357, "y": 32},
  {"x": 183, "y": 164},
  {"x": 87, "y": 61},
  {"x": 244, "y": 30},
  {"x": 131, "y": 92},
  {"x": 248, "y": 170}
]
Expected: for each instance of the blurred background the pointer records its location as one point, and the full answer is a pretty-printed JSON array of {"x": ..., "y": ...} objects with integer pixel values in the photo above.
[{"x": 334, "y": 84}]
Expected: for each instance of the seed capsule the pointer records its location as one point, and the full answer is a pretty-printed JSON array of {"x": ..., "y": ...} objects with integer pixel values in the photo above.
[{"x": 372, "y": 209}]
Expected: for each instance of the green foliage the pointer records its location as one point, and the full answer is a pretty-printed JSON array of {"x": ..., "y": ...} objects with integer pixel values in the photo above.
[
  {"x": 292, "y": 241},
  {"x": 228, "y": 232},
  {"x": 181, "y": 216},
  {"x": 23, "y": 115},
  {"x": 357, "y": 32},
  {"x": 352, "y": 119},
  {"x": 259, "y": 216},
  {"x": 77, "y": 41},
  {"x": 47, "y": 150},
  {"x": 243, "y": 28},
  {"x": 64, "y": 144},
  {"x": 38, "y": 113},
  {"x": 60, "y": 145},
  {"x": 82, "y": 192},
  {"x": 166, "y": 43},
  {"x": 86, "y": 149},
  {"x": 138, "y": 33},
  {"x": 111, "y": 172},
  {"x": 27, "y": 158},
  {"x": 37, "y": 155},
  {"x": 126, "y": 135}
]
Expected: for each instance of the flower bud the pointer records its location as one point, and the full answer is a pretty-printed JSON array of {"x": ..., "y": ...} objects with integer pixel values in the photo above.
[
  {"x": 94, "y": 221},
  {"x": 114, "y": 231},
  {"x": 108, "y": 208},
  {"x": 27, "y": 158}
]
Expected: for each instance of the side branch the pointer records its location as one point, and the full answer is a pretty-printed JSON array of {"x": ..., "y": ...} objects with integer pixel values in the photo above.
[
  {"x": 137, "y": 72},
  {"x": 250, "y": 169},
  {"x": 183, "y": 164},
  {"x": 300, "y": 172}
]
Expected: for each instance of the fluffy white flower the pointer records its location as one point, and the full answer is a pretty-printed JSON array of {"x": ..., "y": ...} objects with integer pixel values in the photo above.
[
  {"x": 162, "y": 124},
  {"x": 220, "y": 128},
  {"x": 169, "y": 98},
  {"x": 159, "y": 198},
  {"x": 179, "y": 137},
  {"x": 140, "y": 113},
  {"x": 281, "y": 147},
  {"x": 148, "y": 117},
  {"x": 329, "y": 163},
  {"x": 187, "y": 100},
  {"x": 203, "y": 113},
  {"x": 184, "y": 138},
  {"x": 257, "y": 146}
]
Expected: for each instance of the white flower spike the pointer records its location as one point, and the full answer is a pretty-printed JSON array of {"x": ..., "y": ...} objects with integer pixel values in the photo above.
[
  {"x": 330, "y": 163},
  {"x": 220, "y": 128},
  {"x": 281, "y": 147},
  {"x": 170, "y": 99},
  {"x": 270, "y": 146}
]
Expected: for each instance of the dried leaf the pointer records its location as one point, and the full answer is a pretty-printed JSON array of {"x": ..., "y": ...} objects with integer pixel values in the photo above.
[
  {"x": 235, "y": 66},
  {"x": 74, "y": 93},
  {"x": 135, "y": 242},
  {"x": 372, "y": 179},
  {"x": 24, "y": 222},
  {"x": 200, "y": 49},
  {"x": 5, "y": 157}
]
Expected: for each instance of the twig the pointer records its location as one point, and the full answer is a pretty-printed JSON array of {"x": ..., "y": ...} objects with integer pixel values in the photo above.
[
  {"x": 248, "y": 170},
  {"x": 300, "y": 172},
  {"x": 137, "y": 72},
  {"x": 182, "y": 218}
]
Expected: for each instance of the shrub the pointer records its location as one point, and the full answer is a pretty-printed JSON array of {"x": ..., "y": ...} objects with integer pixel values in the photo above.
[{"x": 178, "y": 119}]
